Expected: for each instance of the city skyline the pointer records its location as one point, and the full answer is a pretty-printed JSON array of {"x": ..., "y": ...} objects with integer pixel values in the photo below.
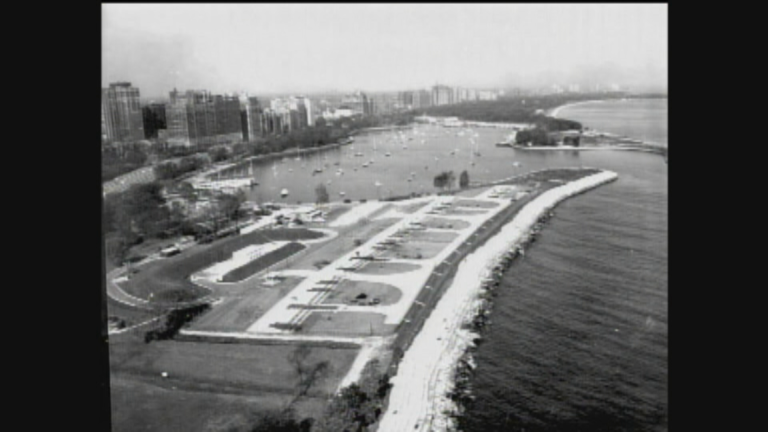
[{"x": 262, "y": 49}]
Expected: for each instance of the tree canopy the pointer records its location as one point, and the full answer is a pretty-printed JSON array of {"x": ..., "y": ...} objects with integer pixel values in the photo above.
[{"x": 444, "y": 180}]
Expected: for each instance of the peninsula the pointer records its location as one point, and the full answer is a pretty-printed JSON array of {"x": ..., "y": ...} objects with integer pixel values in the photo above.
[{"x": 361, "y": 292}]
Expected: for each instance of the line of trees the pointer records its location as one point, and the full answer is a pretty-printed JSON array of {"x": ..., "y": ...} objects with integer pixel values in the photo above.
[
  {"x": 141, "y": 212},
  {"x": 513, "y": 109},
  {"x": 171, "y": 170},
  {"x": 444, "y": 180},
  {"x": 174, "y": 321},
  {"x": 118, "y": 160},
  {"x": 359, "y": 405}
]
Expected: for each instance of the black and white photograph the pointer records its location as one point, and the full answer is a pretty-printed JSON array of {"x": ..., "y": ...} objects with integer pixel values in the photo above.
[{"x": 385, "y": 217}]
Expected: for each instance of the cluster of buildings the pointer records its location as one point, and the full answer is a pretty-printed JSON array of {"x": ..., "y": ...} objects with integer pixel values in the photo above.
[
  {"x": 200, "y": 118},
  {"x": 444, "y": 95}
]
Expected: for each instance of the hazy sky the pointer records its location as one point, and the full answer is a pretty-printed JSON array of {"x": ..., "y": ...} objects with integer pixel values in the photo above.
[{"x": 378, "y": 47}]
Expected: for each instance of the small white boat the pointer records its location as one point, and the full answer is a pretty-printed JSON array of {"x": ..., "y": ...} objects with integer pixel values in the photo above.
[{"x": 284, "y": 193}]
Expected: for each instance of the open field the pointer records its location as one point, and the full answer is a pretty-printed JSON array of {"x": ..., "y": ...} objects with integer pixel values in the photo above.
[
  {"x": 348, "y": 290},
  {"x": 347, "y": 324},
  {"x": 386, "y": 268},
  {"x": 414, "y": 250},
  {"x": 168, "y": 279},
  {"x": 259, "y": 264},
  {"x": 241, "y": 308},
  {"x": 139, "y": 405},
  {"x": 226, "y": 368}
]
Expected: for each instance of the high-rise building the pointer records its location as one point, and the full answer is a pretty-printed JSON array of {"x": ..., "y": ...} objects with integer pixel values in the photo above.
[
  {"x": 154, "y": 119},
  {"x": 200, "y": 118},
  {"x": 253, "y": 122},
  {"x": 122, "y": 113},
  {"x": 442, "y": 95}
]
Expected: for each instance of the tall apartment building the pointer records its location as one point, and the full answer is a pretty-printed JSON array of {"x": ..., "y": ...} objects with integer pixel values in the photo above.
[
  {"x": 154, "y": 119},
  {"x": 422, "y": 99},
  {"x": 201, "y": 119},
  {"x": 251, "y": 113},
  {"x": 122, "y": 113},
  {"x": 442, "y": 95}
]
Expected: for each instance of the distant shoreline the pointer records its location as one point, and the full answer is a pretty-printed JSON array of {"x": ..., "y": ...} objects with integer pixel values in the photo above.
[
  {"x": 555, "y": 111},
  {"x": 642, "y": 148}
]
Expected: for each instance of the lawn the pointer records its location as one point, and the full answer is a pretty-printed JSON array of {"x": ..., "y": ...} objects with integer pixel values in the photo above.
[
  {"x": 243, "y": 308},
  {"x": 220, "y": 367},
  {"x": 348, "y": 290},
  {"x": 347, "y": 324},
  {"x": 138, "y": 405},
  {"x": 257, "y": 265},
  {"x": 168, "y": 279}
]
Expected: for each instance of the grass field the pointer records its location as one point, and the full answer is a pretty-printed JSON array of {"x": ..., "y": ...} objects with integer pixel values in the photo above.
[
  {"x": 347, "y": 290},
  {"x": 140, "y": 406},
  {"x": 257, "y": 265},
  {"x": 386, "y": 268},
  {"x": 347, "y": 324},
  {"x": 228, "y": 368},
  {"x": 242, "y": 306},
  {"x": 168, "y": 279}
]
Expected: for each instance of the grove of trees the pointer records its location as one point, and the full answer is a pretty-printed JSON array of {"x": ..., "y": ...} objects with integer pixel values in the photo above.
[
  {"x": 444, "y": 180},
  {"x": 464, "y": 179}
]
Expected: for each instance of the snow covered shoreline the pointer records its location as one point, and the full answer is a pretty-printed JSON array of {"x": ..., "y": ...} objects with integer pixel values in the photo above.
[{"x": 420, "y": 397}]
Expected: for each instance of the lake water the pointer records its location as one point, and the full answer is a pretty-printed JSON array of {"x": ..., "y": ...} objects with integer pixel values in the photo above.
[{"x": 579, "y": 333}]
